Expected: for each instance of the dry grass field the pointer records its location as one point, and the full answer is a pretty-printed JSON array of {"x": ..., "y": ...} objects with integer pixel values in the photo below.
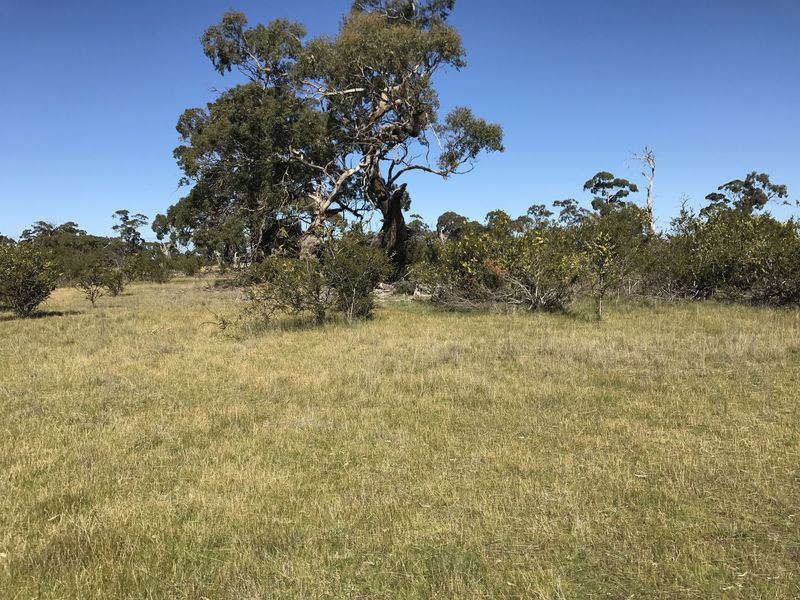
[{"x": 146, "y": 454}]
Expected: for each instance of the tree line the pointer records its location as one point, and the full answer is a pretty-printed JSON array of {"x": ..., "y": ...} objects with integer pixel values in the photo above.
[
  {"x": 49, "y": 255},
  {"x": 283, "y": 169}
]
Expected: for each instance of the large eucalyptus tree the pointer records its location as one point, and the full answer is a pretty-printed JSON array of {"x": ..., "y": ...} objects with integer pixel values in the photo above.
[{"x": 346, "y": 117}]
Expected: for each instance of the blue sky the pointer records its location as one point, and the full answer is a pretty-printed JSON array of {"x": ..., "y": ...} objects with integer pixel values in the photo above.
[{"x": 92, "y": 89}]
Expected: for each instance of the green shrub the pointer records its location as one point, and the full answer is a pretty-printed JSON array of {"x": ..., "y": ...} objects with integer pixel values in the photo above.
[
  {"x": 499, "y": 267},
  {"x": 92, "y": 282},
  {"x": 148, "y": 265},
  {"x": 114, "y": 281},
  {"x": 291, "y": 286},
  {"x": 187, "y": 264},
  {"x": 342, "y": 280},
  {"x": 405, "y": 287},
  {"x": 353, "y": 268},
  {"x": 729, "y": 255},
  {"x": 27, "y": 277}
]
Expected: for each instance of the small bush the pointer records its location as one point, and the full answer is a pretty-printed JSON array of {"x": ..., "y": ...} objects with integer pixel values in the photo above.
[
  {"x": 147, "y": 266},
  {"x": 27, "y": 277},
  {"x": 341, "y": 280},
  {"x": 92, "y": 283},
  {"x": 292, "y": 286},
  {"x": 404, "y": 287},
  {"x": 114, "y": 281},
  {"x": 353, "y": 268}
]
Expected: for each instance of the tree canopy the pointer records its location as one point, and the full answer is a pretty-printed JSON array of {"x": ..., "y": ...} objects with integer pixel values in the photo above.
[{"x": 324, "y": 127}]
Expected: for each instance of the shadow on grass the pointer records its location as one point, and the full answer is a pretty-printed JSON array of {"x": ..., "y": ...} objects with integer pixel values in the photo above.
[{"x": 41, "y": 314}]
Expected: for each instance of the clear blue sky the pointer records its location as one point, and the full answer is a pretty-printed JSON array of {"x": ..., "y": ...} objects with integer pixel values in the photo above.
[{"x": 92, "y": 89}]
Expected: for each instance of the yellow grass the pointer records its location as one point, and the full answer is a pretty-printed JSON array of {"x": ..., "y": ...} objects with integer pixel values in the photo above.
[{"x": 145, "y": 454}]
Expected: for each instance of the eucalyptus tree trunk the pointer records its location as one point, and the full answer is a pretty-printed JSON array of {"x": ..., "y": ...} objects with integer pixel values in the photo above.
[
  {"x": 394, "y": 232},
  {"x": 648, "y": 158},
  {"x": 311, "y": 240},
  {"x": 599, "y": 306}
]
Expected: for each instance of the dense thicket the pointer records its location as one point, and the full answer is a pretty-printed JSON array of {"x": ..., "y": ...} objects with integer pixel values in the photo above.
[{"x": 731, "y": 250}]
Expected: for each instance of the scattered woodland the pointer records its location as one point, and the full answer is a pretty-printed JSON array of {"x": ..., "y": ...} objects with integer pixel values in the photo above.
[{"x": 317, "y": 135}]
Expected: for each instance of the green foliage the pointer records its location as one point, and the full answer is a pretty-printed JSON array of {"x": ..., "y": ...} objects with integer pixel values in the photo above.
[
  {"x": 114, "y": 281},
  {"x": 188, "y": 264},
  {"x": 746, "y": 195},
  {"x": 342, "y": 280},
  {"x": 73, "y": 249},
  {"x": 92, "y": 283},
  {"x": 147, "y": 265},
  {"x": 731, "y": 254},
  {"x": 405, "y": 287},
  {"x": 323, "y": 128},
  {"x": 613, "y": 242},
  {"x": 128, "y": 230},
  {"x": 353, "y": 268},
  {"x": 290, "y": 286},
  {"x": 600, "y": 255},
  {"x": 28, "y": 274},
  {"x": 609, "y": 191},
  {"x": 245, "y": 193},
  {"x": 533, "y": 268},
  {"x": 464, "y": 137}
]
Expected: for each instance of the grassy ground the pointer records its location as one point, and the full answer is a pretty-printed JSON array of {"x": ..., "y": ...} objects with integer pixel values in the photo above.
[{"x": 421, "y": 455}]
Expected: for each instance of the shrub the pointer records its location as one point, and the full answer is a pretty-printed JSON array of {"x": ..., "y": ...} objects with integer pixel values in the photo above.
[
  {"x": 27, "y": 277},
  {"x": 729, "y": 255},
  {"x": 404, "y": 287},
  {"x": 500, "y": 268},
  {"x": 292, "y": 286},
  {"x": 353, "y": 268},
  {"x": 342, "y": 280},
  {"x": 92, "y": 283},
  {"x": 147, "y": 266},
  {"x": 187, "y": 264},
  {"x": 114, "y": 281}
]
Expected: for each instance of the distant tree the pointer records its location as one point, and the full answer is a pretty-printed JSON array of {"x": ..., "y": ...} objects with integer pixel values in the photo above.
[
  {"x": 418, "y": 224},
  {"x": 128, "y": 229},
  {"x": 648, "y": 158},
  {"x": 540, "y": 216},
  {"x": 571, "y": 214},
  {"x": 609, "y": 191},
  {"x": 451, "y": 226},
  {"x": 6, "y": 241},
  {"x": 40, "y": 229},
  {"x": 746, "y": 195}
]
